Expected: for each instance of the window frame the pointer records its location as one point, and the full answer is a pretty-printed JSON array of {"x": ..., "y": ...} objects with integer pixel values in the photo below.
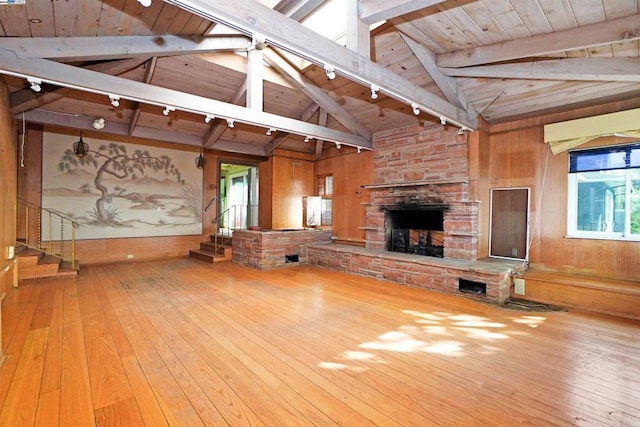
[{"x": 572, "y": 193}]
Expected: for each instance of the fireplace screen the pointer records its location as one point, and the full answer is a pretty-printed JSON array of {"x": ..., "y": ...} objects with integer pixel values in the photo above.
[{"x": 415, "y": 231}]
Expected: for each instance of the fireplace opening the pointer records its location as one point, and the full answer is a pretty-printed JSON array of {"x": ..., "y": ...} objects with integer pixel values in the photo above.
[{"x": 415, "y": 231}]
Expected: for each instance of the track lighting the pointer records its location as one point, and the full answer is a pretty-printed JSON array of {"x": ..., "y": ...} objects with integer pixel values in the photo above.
[
  {"x": 230, "y": 123},
  {"x": 145, "y": 3},
  {"x": 359, "y": 150},
  {"x": 416, "y": 109},
  {"x": 443, "y": 121},
  {"x": 374, "y": 91},
  {"x": 338, "y": 145},
  {"x": 306, "y": 139},
  {"x": 208, "y": 118},
  {"x": 270, "y": 131},
  {"x": 115, "y": 100},
  {"x": 35, "y": 84},
  {"x": 331, "y": 73},
  {"x": 167, "y": 110}
]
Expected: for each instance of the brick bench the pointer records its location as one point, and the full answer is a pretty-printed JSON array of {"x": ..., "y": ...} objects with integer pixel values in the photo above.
[{"x": 437, "y": 274}]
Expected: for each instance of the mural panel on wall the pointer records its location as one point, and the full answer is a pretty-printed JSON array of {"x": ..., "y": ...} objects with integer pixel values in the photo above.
[{"x": 121, "y": 190}]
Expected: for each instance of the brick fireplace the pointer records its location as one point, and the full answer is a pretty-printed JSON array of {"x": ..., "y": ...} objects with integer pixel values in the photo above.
[{"x": 421, "y": 171}]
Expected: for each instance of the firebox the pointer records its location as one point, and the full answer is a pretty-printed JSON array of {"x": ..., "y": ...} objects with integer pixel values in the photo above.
[{"x": 417, "y": 231}]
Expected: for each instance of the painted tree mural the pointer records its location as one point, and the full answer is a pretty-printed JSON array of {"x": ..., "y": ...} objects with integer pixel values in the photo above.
[{"x": 113, "y": 160}]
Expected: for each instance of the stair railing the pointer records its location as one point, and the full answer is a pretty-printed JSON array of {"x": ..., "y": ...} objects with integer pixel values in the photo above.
[
  {"x": 55, "y": 224},
  {"x": 209, "y": 204},
  {"x": 236, "y": 217}
]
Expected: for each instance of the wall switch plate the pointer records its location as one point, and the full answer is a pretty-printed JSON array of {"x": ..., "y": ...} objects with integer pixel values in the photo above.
[
  {"x": 514, "y": 252},
  {"x": 130, "y": 256},
  {"x": 518, "y": 286},
  {"x": 11, "y": 252}
]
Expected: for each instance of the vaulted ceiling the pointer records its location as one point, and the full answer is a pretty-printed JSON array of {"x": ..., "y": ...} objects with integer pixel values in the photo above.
[{"x": 170, "y": 72}]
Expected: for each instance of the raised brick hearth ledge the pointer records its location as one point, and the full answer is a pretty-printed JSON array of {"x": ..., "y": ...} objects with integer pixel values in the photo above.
[{"x": 437, "y": 274}]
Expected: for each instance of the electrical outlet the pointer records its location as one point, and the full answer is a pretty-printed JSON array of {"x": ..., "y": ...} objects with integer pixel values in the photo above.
[
  {"x": 11, "y": 252},
  {"x": 518, "y": 286},
  {"x": 514, "y": 252},
  {"x": 130, "y": 256}
]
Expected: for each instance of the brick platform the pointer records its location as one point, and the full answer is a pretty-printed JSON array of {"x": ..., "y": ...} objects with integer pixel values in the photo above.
[
  {"x": 437, "y": 274},
  {"x": 266, "y": 250}
]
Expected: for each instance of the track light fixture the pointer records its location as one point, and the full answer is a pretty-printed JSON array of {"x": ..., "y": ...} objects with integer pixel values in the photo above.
[
  {"x": 115, "y": 100},
  {"x": 270, "y": 131},
  {"x": 374, "y": 91},
  {"x": 443, "y": 121},
  {"x": 359, "y": 150},
  {"x": 306, "y": 139},
  {"x": 331, "y": 73},
  {"x": 338, "y": 145},
  {"x": 416, "y": 109},
  {"x": 35, "y": 84},
  {"x": 98, "y": 124},
  {"x": 168, "y": 109},
  {"x": 230, "y": 123},
  {"x": 145, "y": 3},
  {"x": 208, "y": 118}
]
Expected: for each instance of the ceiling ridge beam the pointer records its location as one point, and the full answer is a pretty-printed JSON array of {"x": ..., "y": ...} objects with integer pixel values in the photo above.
[
  {"x": 601, "y": 33},
  {"x": 251, "y": 18},
  {"x": 88, "y": 81},
  {"x": 583, "y": 69}
]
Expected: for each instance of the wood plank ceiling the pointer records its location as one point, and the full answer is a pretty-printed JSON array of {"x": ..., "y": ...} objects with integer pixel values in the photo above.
[{"x": 455, "y": 60}]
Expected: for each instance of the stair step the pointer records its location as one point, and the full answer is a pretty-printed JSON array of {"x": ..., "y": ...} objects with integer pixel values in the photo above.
[
  {"x": 210, "y": 256},
  {"x": 33, "y": 264}
]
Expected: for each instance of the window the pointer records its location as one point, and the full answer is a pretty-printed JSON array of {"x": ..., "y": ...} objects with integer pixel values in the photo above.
[
  {"x": 604, "y": 193},
  {"x": 325, "y": 190}
]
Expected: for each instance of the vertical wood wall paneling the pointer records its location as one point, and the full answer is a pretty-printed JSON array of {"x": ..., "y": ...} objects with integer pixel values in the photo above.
[
  {"x": 293, "y": 180},
  {"x": 350, "y": 172}
]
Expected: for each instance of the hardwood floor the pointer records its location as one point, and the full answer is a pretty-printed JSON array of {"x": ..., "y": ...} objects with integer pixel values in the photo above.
[{"x": 184, "y": 343}]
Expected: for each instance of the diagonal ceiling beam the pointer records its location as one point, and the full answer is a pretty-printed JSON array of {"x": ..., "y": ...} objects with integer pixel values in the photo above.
[
  {"x": 373, "y": 11},
  {"x": 89, "y": 81},
  {"x": 282, "y": 137},
  {"x": 447, "y": 85},
  {"x": 316, "y": 94},
  {"x": 102, "y": 48},
  {"x": 587, "y": 69},
  {"x": 217, "y": 128},
  {"x": 617, "y": 30},
  {"x": 148, "y": 75},
  {"x": 251, "y": 17}
]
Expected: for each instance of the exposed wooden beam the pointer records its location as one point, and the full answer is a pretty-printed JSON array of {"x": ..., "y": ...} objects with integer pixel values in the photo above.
[
  {"x": 148, "y": 75},
  {"x": 282, "y": 137},
  {"x": 617, "y": 30},
  {"x": 373, "y": 11},
  {"x": 316, "y": 94},
  {"x": 68, "y": 76},
  {"x": 299, "y": 10},
  {"x": 79, "y": 122},
  {"x": 24, "y": 100},
  {"x": 587, "y": 69},
  {"x": 322, "y": 121},
  {"x": 255, "y": 79},
  {"x": 218, "y": 127},
  {"x": 119, "y": 47},
  {"x": 358, "y": 36},
  {"x": 447, "y": 85},
  {"x": 251, "y": 17}
]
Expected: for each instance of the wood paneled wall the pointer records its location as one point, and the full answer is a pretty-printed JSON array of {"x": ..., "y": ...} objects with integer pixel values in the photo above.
[
  {"x": 8, "y": 192},
  {"x": 292, "y": 179},
  {"x": 351, "y": 172},
  {"x": 516, "y": 156}
]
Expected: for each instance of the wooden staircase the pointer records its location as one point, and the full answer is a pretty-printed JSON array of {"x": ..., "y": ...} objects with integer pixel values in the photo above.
[
  {"x": 34, "y": 264},
  {"x": 217, "y": 249}
]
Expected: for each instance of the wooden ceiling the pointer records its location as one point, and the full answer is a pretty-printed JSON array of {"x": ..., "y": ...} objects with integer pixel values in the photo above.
[{"x": 456, "y": 60}]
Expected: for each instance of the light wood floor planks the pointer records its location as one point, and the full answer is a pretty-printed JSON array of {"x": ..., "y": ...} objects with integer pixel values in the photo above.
[{"x": 184, "y": 343}]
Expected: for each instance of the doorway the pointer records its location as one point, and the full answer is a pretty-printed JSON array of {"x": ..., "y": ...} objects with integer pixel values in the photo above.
[
  {"x": 509, "y": 231},
  {"x": 238, "y": 190}
]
